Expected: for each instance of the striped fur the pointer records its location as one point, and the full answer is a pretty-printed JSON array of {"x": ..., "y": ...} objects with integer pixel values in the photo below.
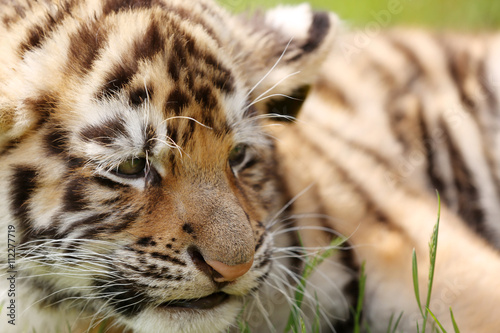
[
  {"x": 386, "y": 126},
  {"x": 91, "y": 89},
  {"x": 133, "y": 159}
]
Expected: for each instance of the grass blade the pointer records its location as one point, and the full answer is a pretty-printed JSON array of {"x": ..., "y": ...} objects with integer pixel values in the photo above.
[
  {"x": 397, "y": 322},
  {"x": 415, "y": 281},
  {"x": 359, "y": 305},
  {"x": 436, "y": 320},
  {"x": 295, "y": 322},
  {"x": 455, "y": 326},
  {"x": 390, "y": 323},
  {"x": 316, "y": 324},
  {"x": 432, "y": 256}
]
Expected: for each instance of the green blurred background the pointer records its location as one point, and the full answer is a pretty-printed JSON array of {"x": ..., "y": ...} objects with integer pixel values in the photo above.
[{"x": 445, "y": 14}]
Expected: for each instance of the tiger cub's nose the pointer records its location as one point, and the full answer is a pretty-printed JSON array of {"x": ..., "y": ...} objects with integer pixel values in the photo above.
[
  {"x": 218, "y": 271},
  {"x": 228, "y": 273}
]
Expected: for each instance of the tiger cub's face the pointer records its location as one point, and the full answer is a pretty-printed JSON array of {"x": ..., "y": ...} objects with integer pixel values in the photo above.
[{"x": 135, "y": 167}]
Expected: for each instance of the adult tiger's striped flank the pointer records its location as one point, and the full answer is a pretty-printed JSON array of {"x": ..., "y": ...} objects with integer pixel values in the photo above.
[{"x": 153, "y": 186}]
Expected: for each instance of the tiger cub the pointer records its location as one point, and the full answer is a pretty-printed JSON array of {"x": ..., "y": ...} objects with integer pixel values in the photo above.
[
  {"x": 138, "y": 183},
  {"x": 149, "y": 186}
]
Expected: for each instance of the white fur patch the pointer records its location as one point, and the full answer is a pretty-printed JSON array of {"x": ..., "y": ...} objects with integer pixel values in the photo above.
[{"x": 294, "y": 20}]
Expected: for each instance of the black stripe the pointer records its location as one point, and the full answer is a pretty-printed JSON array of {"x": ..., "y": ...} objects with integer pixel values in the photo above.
[
  {"x": 108, "y": 183},
  {"x": 50, "y": 232},
  {"x": 290, "y": 105},
  {"x": 105, "y": 133},
  {"x": 262, "y": 237},
  {"x": 144, "y": 47},
  {"x": 56, "y": 141},
  {"x": 74, "y": 199},
  {"x": 153, "y": 177},
  {"x": 11, "y": 20},
  {"x": 172, "y": 132},
  {"x": 460, "y": 68},
  {"x": 124, "y": 222},
  {"x": 188, "y": 131},
  {"x": 371, "y": 208},
  {"x": 35, "y": 37},
  {"x": 469, "y": 205},
  {"x": 43, "y": 105},
  {"x": 429, "y": 146},
  {"x": 174, "y": 68},
  {"x": 118, "y": 77},
  {"x": 317, "y": 32},
  {"x": 351, "y": 289},
  {"x": 161, "y": 275},
  {"x": 173, "y": 163},
  {"x": 205, "y": 95},
  {"x": 189, "y": 60},
  {"x": 115, "y": 6},
  {"x": 150, "y": 44},
  {"x": 93, "y": 223},
  {"x": 149, "y": 136},
  {"x": 8, "y": 147},
  {"x": 140, "y": 95},
  {"x": 122, "y": 294},
  {"x": 23, "y": 183},
  {"x": 223, "y": 80},
  {"x": 85, "y": 45},
  {"x": 39, "y": 32},
  {"x": 178, "y": 51},
  {"x": 166, "y": 257},
  {"x": 266, "y": 261},
  {"x": 176, "y": 102},
  {"x": 187, "y": 15}
]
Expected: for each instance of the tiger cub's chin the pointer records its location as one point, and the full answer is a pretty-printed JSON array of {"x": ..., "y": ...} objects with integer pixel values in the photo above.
[{"x": 166, "y": 319}]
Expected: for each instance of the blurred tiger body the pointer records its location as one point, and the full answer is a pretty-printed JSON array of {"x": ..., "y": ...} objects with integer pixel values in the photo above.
[{"x": 382, "y": 130}]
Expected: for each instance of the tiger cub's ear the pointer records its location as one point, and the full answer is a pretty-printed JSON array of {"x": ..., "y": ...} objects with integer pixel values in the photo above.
[{"x": 286, "y": 48}]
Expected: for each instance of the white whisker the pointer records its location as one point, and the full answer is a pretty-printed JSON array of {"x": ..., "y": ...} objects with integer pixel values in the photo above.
[
  {"x": 261, "y": 97},
  {"x": 287, "y": 205},
  {"x": 271, "y": 70}
]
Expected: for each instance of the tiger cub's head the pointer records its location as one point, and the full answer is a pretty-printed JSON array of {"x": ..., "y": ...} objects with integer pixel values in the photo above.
[{"x": 135, "y": 165}]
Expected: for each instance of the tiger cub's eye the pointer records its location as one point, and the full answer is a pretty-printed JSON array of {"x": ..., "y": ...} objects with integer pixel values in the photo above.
[
  {"x": 132, "y": 167},
  {"x": 237, "y": 155}
]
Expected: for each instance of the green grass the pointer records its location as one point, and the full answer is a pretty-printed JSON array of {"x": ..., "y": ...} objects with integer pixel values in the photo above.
[
  {"x": 449, "y": 14},
  {"x": 358, "y": 324},
  {"x": 426, "y": 311},
  {"x": 295, "y": 321},
  {"x": 432, "y": 256},
  {"x": 296, "y": 324}
]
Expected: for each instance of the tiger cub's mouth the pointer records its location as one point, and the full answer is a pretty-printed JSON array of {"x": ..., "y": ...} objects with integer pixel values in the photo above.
[{"x": 203, "y": 303}]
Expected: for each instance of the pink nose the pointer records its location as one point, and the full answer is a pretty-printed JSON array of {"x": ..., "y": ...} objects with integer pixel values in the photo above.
[{"x": 229, "y": 273}]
